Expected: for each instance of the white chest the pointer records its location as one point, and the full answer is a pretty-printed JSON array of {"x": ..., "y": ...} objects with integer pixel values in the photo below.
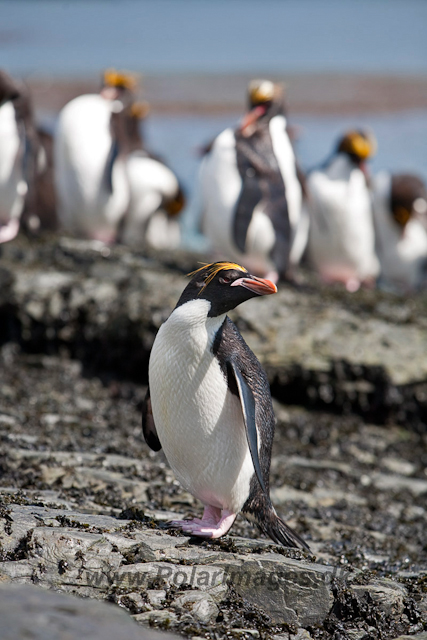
[
  {"x": 401, "y": 254},
  {"x": 342, "y": 232},
  {"x": 9, "y": 141},
  {"x": 220, "y": 186},
  {"x": 198, "y": 421},
  {"x": 286, "y": 159},
  {"x": 82, "y": 146}
]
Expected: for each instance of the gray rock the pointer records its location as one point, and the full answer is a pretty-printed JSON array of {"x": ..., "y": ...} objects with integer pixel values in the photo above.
[
  {"x": 302, "y": 634},
  {"x": 339, "y": 348},
  {"x": 31, "y": 612},
  {"x": 156, "y": 597},
  {"x": 289, "y": 591},
  {"x": 163, "y": 618},
  {"x": 388, "y": 595},
  {"x": 73, "y": 455},
  {"x": 15, "y": 523},
  {"x": 200, "y": 605},
  {"x": 417, "y": 636},
  {"x": 134, "y": 602},
  {"x": 356, "y": 634},
  {"x": 394, "y": 482}
]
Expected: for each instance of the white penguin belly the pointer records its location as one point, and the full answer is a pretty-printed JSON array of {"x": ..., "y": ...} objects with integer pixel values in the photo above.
[
  {"x": 82, "y": 146},
  {"x": 12, "y": 184},
  {"x": 342, "y": 242},
  {"x": 401, "y": 254},
  {"x": 199, "y": 422},
  {"x": 220, "y": 187}
]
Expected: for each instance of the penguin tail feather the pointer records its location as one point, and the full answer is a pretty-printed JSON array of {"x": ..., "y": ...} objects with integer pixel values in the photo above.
[
  {"x": 274, "y": 527},
  {"x": 281, "y": 533}
]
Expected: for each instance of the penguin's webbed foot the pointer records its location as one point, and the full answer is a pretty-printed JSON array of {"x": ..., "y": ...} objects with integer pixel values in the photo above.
[
  {"x": 178, "y": 524},
  {"x": 214, "y": 523},
  {"x": 205, "y": 529},
  {"x": 352, "y": 285},
  {"x": 9, "y": 231}
]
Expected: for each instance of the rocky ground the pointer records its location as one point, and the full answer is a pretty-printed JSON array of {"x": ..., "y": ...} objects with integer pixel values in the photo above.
[{"x": 83, "y": 501}]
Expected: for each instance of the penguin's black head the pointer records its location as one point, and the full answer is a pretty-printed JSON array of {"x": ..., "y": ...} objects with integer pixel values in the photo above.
[
  {"x": 225, "y": 285},
  {"x": 408, "y": 198},
  {"x": 119, "y": 85},
  {"x": 359, "y": 145},
  {"x": 265, "y": 100},
  {"x": 8, "y": 88}
]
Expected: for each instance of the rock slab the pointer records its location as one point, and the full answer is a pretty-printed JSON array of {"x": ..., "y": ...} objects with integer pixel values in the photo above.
[{"x": 31, "y": 612}]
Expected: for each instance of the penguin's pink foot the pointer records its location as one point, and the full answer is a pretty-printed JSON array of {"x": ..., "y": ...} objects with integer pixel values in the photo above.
[
  {"x": 352, "y": 285},
  {"x": 207, "y": 528},
  {"x": 211, "y": 516},
  {"x": 214, "y": 523},
  {"x": 177, "y": 524},
  {"x": 9, "y": 231},
  {"x": 107, "y": 237}
]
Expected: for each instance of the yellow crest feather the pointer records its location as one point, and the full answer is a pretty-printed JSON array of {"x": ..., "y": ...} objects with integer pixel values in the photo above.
[
  {"x": 362, "y": 146},
  {"x": 215, "y": 267},
  {"x": 125, "y": 79}
]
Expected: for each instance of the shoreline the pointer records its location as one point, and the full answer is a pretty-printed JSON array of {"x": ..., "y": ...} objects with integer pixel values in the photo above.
[{"x": 218, "y": 94}]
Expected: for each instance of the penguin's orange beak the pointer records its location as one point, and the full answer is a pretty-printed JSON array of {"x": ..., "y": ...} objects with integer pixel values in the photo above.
[
  {"x": 252, "y": 116},
  {"x": 258, "y": 285}
]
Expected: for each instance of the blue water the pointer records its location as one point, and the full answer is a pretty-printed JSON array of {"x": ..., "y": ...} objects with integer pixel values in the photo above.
[{"x": 72, "y": 38}]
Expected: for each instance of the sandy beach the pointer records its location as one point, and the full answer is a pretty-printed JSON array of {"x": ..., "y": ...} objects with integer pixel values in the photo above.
[{"x": 312, "y": 94}]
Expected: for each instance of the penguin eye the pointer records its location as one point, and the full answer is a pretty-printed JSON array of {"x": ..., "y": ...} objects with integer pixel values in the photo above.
[{"x": 225, "y": 280}]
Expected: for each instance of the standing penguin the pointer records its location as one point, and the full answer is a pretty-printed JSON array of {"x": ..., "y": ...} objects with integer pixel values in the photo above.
[
  {"x": 209, "y": 405},
  {"x": 108, "y": 186},
  {"x": 342, "y": 241},
  {"x": 399, "y": 201},
  {"x": 156, "y": 197},
  {"x": 251, "y": 195},
  {"x": 17, "y": 154},
  {"x": 90, "y": 146}
]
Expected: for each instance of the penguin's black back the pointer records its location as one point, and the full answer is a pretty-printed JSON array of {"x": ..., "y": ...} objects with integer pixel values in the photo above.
[
  {"x": 261, "y": 180},
  {"x": 229, "y": 344}
]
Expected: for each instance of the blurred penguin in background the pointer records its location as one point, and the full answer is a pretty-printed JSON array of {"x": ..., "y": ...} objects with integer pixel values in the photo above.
[
  {"x": 106, "y": 185},
  {"x": 400, "y": 205},
  {"x": 250, "y": 192},
  {"x": 91, "y": 143},
  {"x": 342, "y": 241},
  {"x": 22, "y": 159},
  {"x": 44, "y": 217},
  {"x": 156, "y": 198}
]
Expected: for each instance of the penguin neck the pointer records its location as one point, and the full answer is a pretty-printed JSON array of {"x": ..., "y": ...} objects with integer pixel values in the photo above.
[
  {"x": 191, "y": 321},
  {"x": 381, "y": 198},
  {"x": 341, "y": 166}
]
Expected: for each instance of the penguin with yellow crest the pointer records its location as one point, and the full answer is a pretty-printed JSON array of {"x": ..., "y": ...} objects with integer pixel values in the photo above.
[
  {"x": 250, "y": 190},
  {"x": 400, "y": 212},
  {"x": 209, "y": 405},
  {"x": 108, "y": 186},
  {"x": 341, "y": 243}
]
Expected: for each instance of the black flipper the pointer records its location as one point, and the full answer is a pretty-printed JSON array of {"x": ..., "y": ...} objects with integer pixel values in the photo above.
[
  {"x": 248, "y": 380},
  {"x": 262, "y": 180},
  {"x": 108, "y": 172},
  {"x": 148, "y": 426},
  {"x": 247, "y": 401}
]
